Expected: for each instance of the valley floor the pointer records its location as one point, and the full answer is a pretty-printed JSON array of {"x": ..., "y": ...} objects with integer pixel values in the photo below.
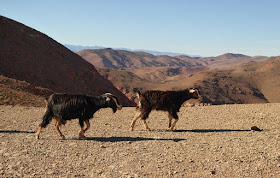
[{"x": 209, "y": 141}]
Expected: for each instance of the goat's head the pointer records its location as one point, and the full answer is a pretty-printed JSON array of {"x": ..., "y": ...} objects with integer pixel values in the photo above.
[
  {"x": 112, "y": 102},
  {"x": 194, "y": 93}
]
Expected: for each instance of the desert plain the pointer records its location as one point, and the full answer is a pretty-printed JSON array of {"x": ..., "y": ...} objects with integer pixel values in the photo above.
[{"x": 209, "y": 141}]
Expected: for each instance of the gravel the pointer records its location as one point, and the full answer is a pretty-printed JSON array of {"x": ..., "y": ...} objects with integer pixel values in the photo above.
[{"x": 209, "y": 141}]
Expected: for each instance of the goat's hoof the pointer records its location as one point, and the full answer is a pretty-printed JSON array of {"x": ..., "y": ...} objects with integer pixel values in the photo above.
[
  {"x": 37, "y": 137},
  {"x": 83, "y": 138}
]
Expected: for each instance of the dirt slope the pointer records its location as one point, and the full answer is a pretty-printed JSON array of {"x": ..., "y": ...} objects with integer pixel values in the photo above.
[
  {"x": 15, "y": 92},
  {"x": 210, "y": 141},
  {"x": 31, "y": 56},
  {"x": 263, "y": 75}
]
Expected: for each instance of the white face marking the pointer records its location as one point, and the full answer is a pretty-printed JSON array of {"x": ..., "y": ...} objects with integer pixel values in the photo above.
[
  {"x": 192, "y": 90},
  {"x": 139, "y": 104},
  {"x": 110, "y": 96}
]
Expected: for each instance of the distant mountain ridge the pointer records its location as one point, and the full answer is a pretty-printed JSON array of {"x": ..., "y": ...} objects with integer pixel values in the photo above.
[
  {"x": 76, "y": 48},
  {"x": 117, "y": 59},
  {"x": 232, "y": 55},
  {"x": 121, "y": 59}
]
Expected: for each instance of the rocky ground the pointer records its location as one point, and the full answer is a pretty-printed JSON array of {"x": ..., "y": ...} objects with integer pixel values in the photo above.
[{"x": 210, "y": 141}]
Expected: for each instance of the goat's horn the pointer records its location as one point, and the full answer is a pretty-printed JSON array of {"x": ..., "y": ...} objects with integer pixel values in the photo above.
[
  {"x": 117, "y": 103},
  {"x": 107, "y": 94}
]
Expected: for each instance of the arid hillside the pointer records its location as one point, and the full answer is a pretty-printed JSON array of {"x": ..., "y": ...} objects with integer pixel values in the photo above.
[
  {"x": 254, "y": 82},
  {"x": 209, "y": 141},
  {"x": 148, "y": 78},
  {"x": 30, "y": 56},
  {"x": 263, "y": 75},
  {"x": 218, "y": 78},
  {"x": 16, "y": 92},
  {"x": 216, "y": 86},
  {"x": 116, "y": 59},
  {"x": 166, "y": 74}
]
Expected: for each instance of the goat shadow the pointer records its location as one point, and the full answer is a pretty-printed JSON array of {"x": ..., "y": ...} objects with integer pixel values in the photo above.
[
  {"x": 16, "y": 131},
  {"x": 215, "y": 130},
  {"x": 128, "y": 139}
]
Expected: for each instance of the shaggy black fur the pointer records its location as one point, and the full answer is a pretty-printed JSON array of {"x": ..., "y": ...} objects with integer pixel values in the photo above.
[
  {"x": 65, "y": 107},
  {"x": 170, "y": 101}
]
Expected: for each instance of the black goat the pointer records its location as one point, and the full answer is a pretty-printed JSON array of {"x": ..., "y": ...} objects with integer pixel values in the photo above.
[
  {"x": 65, "y": 107},
  {"x": 170, "y": 101}
]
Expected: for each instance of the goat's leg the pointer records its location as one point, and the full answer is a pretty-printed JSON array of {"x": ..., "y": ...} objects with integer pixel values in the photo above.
[
  {"x": 57, "y": 124},
  {"x": 170, "y": 120},
  {"x": 87, "y": 124},
  {"x": 46, "y": 120},
  {"x": 82, "y": 132},
  {"x": 40, "y": 129},
  {"x": 136, "y": 117},
  {"x": 146, "y": 125},
  {"x": 173, "y": 125},
  {"x": 38, "y": 132},
  {"x": 175, "y": 116}
]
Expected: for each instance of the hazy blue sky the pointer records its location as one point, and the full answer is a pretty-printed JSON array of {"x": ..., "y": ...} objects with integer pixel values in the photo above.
[{"x": 196, "y": 27}]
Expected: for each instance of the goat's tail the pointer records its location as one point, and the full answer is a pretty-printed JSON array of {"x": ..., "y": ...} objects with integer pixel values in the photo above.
[
  {"x": 47, "y": 117},
  {"x": 137, "y": 92}
]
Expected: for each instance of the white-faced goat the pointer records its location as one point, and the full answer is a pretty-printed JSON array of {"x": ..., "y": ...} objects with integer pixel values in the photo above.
[
  {"x": 169, "y": 101},
  {"x": 63, "y": 107}
]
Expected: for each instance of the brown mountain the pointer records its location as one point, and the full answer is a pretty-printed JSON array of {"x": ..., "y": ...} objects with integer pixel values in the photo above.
[
  {"x": 125, "y": 81},
  {"x": 253, "y": 82},
  {"x": 263, "y": 75},
  {"x": 222, "y": 87},
  {"x": 226, "y": 60},
  {"x": 116, "y": 59},
  {"x": 146, "y": 71},
  {"x": 30, "y": 56},
  {"x": 166, "y": 74}
]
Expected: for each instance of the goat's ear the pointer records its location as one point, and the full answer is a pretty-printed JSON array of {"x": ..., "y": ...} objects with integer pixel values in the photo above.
[{"x": 108, "y": 99}]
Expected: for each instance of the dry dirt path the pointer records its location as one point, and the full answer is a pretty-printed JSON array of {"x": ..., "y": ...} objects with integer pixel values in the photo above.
[{"x": 210, "y": 141}]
